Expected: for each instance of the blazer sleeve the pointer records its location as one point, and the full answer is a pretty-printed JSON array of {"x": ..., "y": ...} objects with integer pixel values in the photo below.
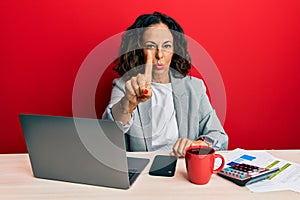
[
  {"x": 210, "y": 126},
  {"x": 116, "y": 95}
]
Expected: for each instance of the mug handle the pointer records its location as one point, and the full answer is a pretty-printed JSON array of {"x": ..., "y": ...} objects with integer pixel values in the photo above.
[{"x": 222, "y": 165}]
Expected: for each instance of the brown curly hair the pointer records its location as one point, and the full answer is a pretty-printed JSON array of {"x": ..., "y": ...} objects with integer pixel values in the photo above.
[{"x": 131, "y": 54}]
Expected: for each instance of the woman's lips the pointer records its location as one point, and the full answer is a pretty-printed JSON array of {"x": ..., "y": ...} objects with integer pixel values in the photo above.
[{"x": 159, "y": 66}]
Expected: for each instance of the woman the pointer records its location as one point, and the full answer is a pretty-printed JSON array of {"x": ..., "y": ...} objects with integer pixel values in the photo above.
[{"x": 158, "y": 105}]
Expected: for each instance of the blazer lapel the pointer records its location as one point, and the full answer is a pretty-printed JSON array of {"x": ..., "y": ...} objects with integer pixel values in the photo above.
[{"x": 180, "y": 100}]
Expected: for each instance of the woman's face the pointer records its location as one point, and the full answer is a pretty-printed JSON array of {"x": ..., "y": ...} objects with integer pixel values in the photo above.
[{"x": 159, "y": 40}]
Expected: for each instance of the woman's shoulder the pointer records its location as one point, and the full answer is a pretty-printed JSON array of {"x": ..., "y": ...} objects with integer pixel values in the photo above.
[
  {"x": 188, "y": 84},
  {"x": 118, "y": 82},
  {"x": 193, "y": 81}
]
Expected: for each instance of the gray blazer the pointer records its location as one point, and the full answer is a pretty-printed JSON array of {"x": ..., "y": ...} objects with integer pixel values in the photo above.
[{"x": 194, "y": 113}]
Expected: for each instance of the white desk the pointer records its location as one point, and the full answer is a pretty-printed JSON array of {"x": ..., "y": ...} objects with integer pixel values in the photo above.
[{"x": 17, "y": 182}]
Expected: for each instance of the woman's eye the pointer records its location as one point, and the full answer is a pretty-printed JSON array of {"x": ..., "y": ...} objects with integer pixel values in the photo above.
[
  {"x": 167, "y": 46},
  {"x": 150, "y": 46}
]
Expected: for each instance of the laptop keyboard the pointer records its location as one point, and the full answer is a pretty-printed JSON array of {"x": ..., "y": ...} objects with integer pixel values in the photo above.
[{"x": 131, "y": 173}]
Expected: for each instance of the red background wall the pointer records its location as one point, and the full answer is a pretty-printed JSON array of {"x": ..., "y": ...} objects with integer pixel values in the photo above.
[{"x": 255, "y": 44}]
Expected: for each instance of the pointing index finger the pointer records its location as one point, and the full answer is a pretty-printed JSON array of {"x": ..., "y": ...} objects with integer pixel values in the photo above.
[{"x": 148, "y": 67}]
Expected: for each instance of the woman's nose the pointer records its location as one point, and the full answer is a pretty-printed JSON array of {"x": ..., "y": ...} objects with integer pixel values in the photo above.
[{"x": 159, "y": 53}]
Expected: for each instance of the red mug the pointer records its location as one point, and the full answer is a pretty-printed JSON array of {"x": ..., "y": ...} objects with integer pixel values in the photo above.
[{"x": 200, "y": 161}]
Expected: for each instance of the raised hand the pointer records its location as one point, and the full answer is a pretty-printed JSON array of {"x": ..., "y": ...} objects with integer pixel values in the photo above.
[{"x": 138, "y": 88}]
